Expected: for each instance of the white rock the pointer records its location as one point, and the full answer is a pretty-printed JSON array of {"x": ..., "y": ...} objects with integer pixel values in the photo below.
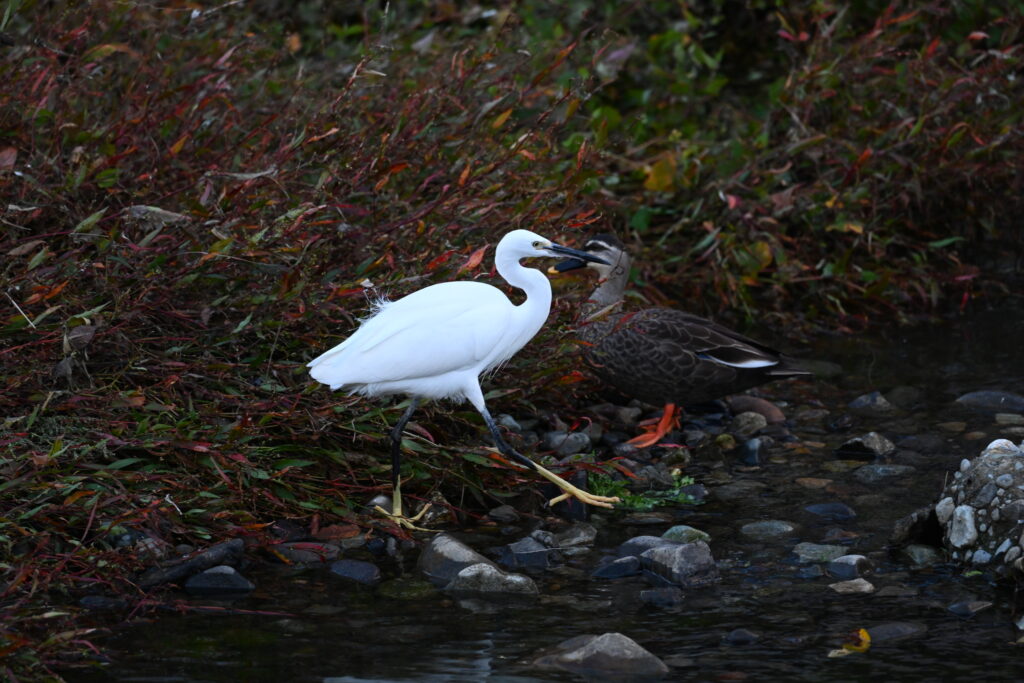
[
  {"x": 853, "y": 586},
  {"x": 962, "y": 531},
  {"x": 981, "y": 557},
  {"x": 1003, "y": 547},
  {"x": 944, "y": 510}
]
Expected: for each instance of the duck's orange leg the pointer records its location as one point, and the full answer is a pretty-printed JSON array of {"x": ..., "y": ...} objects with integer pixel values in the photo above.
[{"x": 669, "y": 421}]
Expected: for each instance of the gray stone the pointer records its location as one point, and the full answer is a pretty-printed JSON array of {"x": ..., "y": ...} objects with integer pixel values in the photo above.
[
  {"x": 853, "y": 586},
  {"x": 741, "y": 636},
  {"x": 962, "y": 532},
  {"x": 749, "y": 452},
  {"x": 968, "y": 608},
  {"x": 983, "y": 496},
  {"x": 745, "y": 425},
  {"x": 607, "y": 656},
  {"x": 618, "y": 568},
  {"x": 1009, "y": 419},
  {"x": 922, "y": 555},
  {"x": 1000, "y": 447},
  {"x": 944, "y": 510},
  {"x": 768, "y": 529},
  {"x": 504, "y": 514},
  {"x": 981, "y": 556},
  {"x": 686, "y": 564},
  {"x": 578, "y": 534},
  {"x": 816, "y": 552},
  {"x": 359, "y": 571},
  {"x": 850, "y": 567},
  {"x": 637, "y": 545},
  {"x": 445, "y": 556},
  {"x": 866, "y": 447},
  {"x": 566, "y": 443},
  {"x": 875, "y": 473},
  {"x": 871, "y": 405},
  {"x": 993, "y": 401},
  {"x": 837, "y": 512},
  {"x": 1004, "y": 480},
  {"x": 529, "y": 552},
  {"x": 488, "y": 580},
  {"x": 222, "y": 580},
  {"x": 682, "y": 533}
]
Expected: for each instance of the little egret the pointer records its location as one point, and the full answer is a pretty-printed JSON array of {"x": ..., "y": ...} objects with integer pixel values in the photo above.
[
  {"x": 660, "y": 355},
  {"x": 436, "y": 342}
]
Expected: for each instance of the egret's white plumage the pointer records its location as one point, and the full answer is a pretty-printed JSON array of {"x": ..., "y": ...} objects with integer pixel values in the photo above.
[{"x": 436, "y": 342}]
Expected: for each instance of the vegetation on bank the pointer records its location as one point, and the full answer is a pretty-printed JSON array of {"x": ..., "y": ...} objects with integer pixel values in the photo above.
[{"x": 198, "y": 199}]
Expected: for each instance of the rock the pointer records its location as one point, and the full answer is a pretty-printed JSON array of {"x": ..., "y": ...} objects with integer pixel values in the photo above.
[
  {"x": 228, "y": 552},
  {"x": 850, "y": 567},
  {"x": 854, "y": 586},
  {"x": 749, "y": 453},
  {"x": 744, "y": 403},
  {"x": 962, "y": 531},
  {"x": 606, "y": 656},
  {"x": 529, "y": 552},
  {"x": 682, "y": 533},
  {"x": 508, "y": 422},
  {"x": 812, "y": 482},
  {"x": 488, "y": 580},
  {"x": 669, "y": 596},
  {"x": 867, "y": 447},
  {"x": 871, "y": 405},
  {"x": 220, "y": 580},
  {"x": 895, "y": 631},
  {"x": 745, "y": 425},
  {"x": 503, "y": 514},
  {"x": 815, "y": 552},
  {"x": 687, "y": 564},
  {"x": 444, "y": 557},
  {"x": 944, "y": 510},
  {"x": 875, "y": 473},
  {"x": 953, "y": 427},
  {"x": 618, "y": 568},
  {"x": 1000, "y": 447},
  {"x": 566, "y": 443},
  {"x": 637, "y": 545},
  {"x": 306, "y": 552},
  {"x": 993, "y": 401},
  {"x": 922, "y": 555},
  {"x": 768, "y": 529},
  {"x": 1009, "y": 419},
  {"x": 836, "y": 512},
  {"x": 741, "y": 636},
  {"x": 579, "y": 534},
  {"x": 968, "y": 608},
  {"x": 359, "y": 571}
]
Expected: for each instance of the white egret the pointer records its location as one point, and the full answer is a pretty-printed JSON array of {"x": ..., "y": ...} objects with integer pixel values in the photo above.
[
  {"x": 664, "y": 356},
  {"x": 436, "y": 342}
]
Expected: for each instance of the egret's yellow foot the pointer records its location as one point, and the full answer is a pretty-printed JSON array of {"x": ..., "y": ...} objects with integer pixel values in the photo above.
[
  {"x": 398, "y": 517},
  {"x": 669, "y": 421},
  {"x": 574, "y": 491}
]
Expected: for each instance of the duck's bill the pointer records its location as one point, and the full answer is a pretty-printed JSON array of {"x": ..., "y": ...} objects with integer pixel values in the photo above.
[
  {"x": 576, "y": 255},
  {"x": 568, "y": 264}
]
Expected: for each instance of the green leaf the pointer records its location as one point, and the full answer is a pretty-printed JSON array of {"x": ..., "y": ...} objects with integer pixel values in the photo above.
[
  {"x": 123, "y": 462},
  {"x": 295, "y": 462},
  {"x": 242, "y": 325},
  {"x": 945, "y": 242},
  {"x": 89, "y": 221}
]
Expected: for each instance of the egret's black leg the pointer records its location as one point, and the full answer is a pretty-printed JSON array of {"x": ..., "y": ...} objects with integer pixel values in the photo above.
[
  {"x": 396, "y": 472},
  {"x": 570, "y": 490},
  {"x": 396, "y": 442}
]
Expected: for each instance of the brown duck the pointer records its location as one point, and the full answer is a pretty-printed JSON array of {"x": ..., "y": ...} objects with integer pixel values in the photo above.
[{"x": 664, "y": 356}]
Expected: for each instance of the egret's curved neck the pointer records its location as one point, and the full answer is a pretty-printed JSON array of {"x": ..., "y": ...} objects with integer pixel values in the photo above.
[
  {"x": 610, "y": 290},
  {"x": 533, "y": 282}
]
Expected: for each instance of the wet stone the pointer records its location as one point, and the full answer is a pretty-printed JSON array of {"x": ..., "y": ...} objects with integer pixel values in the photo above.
[
  {"x": 745, "y": 425},
  {"x": 812, "y": 482},
  {"x": 359, "y": 571},
  {"x": 875, "y": 473},
  {"x": 962, "y": 532},
  {"x": 871, "y": 405},
  {"x": 968, "y": 608},
  {"x": 579, "y": 534},
  {"x": 529, "y": 552},
  {"x": 749, "y": 452},
  {"x": 682, "y": 533},
  {"x": 837, "y": 512},
  {"x": 816, "y": 552},
  {"x": 853, "y": 587},
  {"x": 619, "y": 568},
  {"x": 686, "y": 565},
  {"x": 607, "y": 656},
  {"x": 993, "y": 401},
  {"x": 445, "y": 556},
  {"x": 944, "y": 509},
  {"x": 668, "y": 596},
  {"x": 869, "y": 446},
  {"x": 1000, "y": 447},
  {"x": 954, "y": 427},
  {"x": 895, "y": 631},
  {"x": 922, "y": 555},
  {"x": 741, "y": 636},
  {"x": 222, "y": 580},
  {"x": 850, "y": 567},
  {"x": 565, "y": 443},
  {"x": 768, "y": 529},
  {"x": 1009, "y": 419},
  {"x": 637, "y": 545},
  {"x": 503, "y": 514},
  {"x": 488, "y": 580}
]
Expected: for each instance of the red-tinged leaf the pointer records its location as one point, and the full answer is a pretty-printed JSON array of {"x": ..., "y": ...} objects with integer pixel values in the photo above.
[
  {"x": 932, "y": 47},
  {"x": 786, "y": 35},
  {"x": 474, "y": 260},
  {"x": 336, "y": 532},
  {"x": 464, "y": 176},
  {"x": 903, "y": 17},
  {"x": 864, "y": 156},
  {"x": 238, "y": 457},
  {"x": 316, "y": 138},
  {"x": 439, "y": 260},
  {"x": 623, "y": 469},
  {"x": 581, "y": 153},
  {"x": 8, "y": 155},
  {"x": 977, "y": 35},
  {"x": 732, "y": 201},
  {"x": 572, "y": 378},
  {"x": 526, "y": 153},
  {"x": 176, "y": 147},
  {"x": 54, "y": 291},
  {"x": 78, "y": 495}
]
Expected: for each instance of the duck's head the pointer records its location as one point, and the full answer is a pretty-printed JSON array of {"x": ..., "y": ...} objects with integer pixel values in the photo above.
[{"x": 614, "y": 261}]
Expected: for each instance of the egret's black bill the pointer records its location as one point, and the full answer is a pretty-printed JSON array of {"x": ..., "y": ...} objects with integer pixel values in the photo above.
[
  {"x": 579, "y": 256},
  {"x": 568, "y": 264}
]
